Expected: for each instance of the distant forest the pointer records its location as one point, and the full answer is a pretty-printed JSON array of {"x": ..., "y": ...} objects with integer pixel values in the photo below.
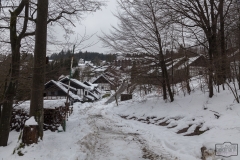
[{"x": 95, "y": 57}]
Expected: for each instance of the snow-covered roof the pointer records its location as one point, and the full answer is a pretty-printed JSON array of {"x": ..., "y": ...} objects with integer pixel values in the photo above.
[
  {"x": 59, "y": 85},
  {"x": 94, "y": 95},
  {"x": 102, "y": 75},
  {"x": 89, "y": 63},
  {"x": 82, "y": 63},
  {"x": 82, "y": 84},
  {"x": 173, "y": 63},
  {"x": 78, "y": 83},
  {"x": 97, "y": 90},
  {"x": 190, "y": 61},
  {"x": 91, "y": 84},
  {"x": 89, "y": 97},
  {"x": 66, "y": 91},
  {"x": 61, "y": 77},
  {"x": 100, "y": 69},
  {"x": 65, "y": 85},
  {"x": 49, "y": 104}
]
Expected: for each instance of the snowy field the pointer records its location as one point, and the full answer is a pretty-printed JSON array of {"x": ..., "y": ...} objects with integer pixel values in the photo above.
[{"x": 145, "y": 127}]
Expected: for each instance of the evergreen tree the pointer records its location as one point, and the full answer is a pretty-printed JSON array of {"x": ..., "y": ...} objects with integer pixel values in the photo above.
[{"x": 76, "y": 74}]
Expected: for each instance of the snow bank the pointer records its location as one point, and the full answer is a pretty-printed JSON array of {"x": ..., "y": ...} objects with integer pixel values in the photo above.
[{"x": 50, "y": 104}]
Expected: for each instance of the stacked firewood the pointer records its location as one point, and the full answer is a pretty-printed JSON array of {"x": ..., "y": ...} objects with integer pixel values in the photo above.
[
  {"x": 53, "y": 118},
  {"x": 18, "y": 119}
]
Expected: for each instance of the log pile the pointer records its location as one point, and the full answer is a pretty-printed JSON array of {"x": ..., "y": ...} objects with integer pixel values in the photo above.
[
  {"x": 18, "y": 119},
  {"x": 53, "y": 118}
]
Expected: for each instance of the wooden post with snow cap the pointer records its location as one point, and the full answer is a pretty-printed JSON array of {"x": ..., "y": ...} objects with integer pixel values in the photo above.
[{"x": 30, "y": 131}]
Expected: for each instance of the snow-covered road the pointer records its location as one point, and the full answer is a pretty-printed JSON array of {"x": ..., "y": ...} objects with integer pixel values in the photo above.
[
  {"x": 145, "y": 127},
  {"x": 94, "y": 132},
  {"x": 113, "y": 139}
]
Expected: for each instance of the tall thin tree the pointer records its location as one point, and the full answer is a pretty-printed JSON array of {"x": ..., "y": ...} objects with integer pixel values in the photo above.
[
  {"x": 142, "y": 23},
  {"x": 38, "y": 80},
  {"x": 12, "y": 79}
]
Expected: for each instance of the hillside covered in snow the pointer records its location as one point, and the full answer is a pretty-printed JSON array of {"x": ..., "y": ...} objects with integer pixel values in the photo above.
[{"x": 145, "y": 127}]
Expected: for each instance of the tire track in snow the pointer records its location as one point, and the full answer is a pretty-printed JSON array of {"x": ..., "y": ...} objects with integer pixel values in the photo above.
[{"x": 105, "y": 131}]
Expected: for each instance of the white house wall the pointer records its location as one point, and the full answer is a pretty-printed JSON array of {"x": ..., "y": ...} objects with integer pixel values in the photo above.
[
  {"x": 196, "y": 70},
  {"x": 104, "y": 86}
]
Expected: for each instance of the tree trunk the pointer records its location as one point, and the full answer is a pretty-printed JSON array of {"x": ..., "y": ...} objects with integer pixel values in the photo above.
[
  {"x": 238, "y": 75},
  {"x": 222, "y": 38},
  {"x": 12, "y": 82},
  {"x": 166, "y": 83},
  {"x": 8, "y": 98},
  {"x": 0, "y": 112},
  {"x": 36, "y": 106},
  {"x": 212, "y": 47},
  {"x": 163, "y": 81},
  {"x": 210, "y": 72},
  {"x": 187, "y": 80}
]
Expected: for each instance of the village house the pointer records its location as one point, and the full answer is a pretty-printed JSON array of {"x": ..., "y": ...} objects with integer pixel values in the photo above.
[
  {"x": 105, "y": 83},
  {"x": 58, "y": 90},
  {"x": 78, "y": 91},
  {"x": 177, "y": 69},
  {"x": 197, "y": 65},
  {"x": 86, "y": 92}
]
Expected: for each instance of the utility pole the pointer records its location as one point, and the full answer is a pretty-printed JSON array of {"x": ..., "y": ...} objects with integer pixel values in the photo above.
[
  {"x": 70, "y": 75},
  {"x": 67, "y": 104}
]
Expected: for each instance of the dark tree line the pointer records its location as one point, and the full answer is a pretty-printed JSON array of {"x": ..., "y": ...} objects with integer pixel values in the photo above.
[{"x": 87, "y": 56}]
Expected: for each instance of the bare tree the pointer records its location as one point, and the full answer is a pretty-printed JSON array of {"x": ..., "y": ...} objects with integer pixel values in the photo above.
[
  {"x": 12, "y": 79},
  {"x": 202, "y": 18},
  {"x": 142, "y": 23},
  {"x": 233, "y": 37},
  {"x": 21, "y": 25}
]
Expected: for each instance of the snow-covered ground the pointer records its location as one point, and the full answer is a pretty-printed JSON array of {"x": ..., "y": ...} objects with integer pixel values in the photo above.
[{"x": 134, "y": 130}]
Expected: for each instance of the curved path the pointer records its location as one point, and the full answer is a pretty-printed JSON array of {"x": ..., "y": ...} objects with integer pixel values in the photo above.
[{"x": 113, "y": 140}]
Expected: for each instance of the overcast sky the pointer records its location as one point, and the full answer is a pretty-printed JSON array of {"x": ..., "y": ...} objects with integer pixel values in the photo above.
[{"x": 96, "y": 22}]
